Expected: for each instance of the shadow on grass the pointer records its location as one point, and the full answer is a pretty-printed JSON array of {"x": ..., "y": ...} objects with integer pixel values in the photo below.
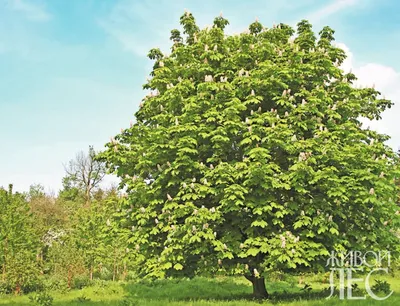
[
  {"x": 226, "y": 289},
  {"x": 293, "y": 296},
  {"x": 185, "y": 289}
]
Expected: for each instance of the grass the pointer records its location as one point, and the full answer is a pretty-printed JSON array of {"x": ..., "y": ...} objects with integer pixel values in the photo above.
[{"x": 221, "y": 291}]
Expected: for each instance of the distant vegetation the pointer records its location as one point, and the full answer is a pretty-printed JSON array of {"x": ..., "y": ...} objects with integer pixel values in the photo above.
[{"x": 62, "y": 241}]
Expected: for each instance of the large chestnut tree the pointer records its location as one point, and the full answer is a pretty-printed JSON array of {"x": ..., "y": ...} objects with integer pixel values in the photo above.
[{"x": 249, "y": 155}]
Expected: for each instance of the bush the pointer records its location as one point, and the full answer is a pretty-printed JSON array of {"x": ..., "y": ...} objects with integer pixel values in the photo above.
[
  {"x": 30, "y": 285},
  {"x": 306, "y": 288},
  {"x": 33, "y": 285},
  {"x": 105, "y": 274},
  {"x": 5, "y": 288},
  {"x": 82, "y": 299},
  {"x": 41, "y": 299},
  {"x": 99, "y": 283},
  {"x": 55, "y": 283},
  {"x": 81, "y": 281},
  {"x": 132, "y": 276},
  {"x": 381, "y": 286},
  {"x": 128, "y": 302}
]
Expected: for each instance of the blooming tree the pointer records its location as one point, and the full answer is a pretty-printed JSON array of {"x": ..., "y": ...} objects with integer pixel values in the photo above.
[{"x": 249, "y": 155}]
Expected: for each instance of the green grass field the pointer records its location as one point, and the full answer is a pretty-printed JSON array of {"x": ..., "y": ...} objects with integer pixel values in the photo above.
[{"x": 202, "y": 291}]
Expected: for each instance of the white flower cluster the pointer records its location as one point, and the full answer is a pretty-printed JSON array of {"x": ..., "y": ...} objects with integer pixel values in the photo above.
[
  {"x": 208, "y": 78},
  {"x": 52, "y": 236},
  {"x": 283, "y": 242},
  {"x": 243, "y": 72},
  {"x": 304, "y": 156}
]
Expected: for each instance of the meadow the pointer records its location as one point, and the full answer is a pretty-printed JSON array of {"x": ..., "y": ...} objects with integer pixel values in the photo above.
[{"x": 205, "y": 291}]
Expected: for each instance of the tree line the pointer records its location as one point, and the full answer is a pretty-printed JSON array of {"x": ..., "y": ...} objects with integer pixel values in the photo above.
[{"x": 66, "y": 239}]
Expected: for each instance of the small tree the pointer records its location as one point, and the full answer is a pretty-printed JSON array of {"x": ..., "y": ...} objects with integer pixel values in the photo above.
[
  {"x": 18, "y": 240},
  {"x": 50, "y": 217},
  {"x": 84, "y": 173},
  {"x": 249, "y": 156}
]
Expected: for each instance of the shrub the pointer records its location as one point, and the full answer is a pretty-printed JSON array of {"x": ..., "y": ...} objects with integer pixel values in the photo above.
[
  {"x": 41, "y": 299},
  {"x": 81, "y": 281},
  {"x": 5, "y": 288},
  {"x": 381, "y": 286},
  {"x": 104, "y": 274},
  {"x": 55, "y": 283},
  {"x": 306, "y": 288},
  {"x": 131, "y": 276},
  {"x": 82, "y": 299},
  {"x": 128, "y": 302}
]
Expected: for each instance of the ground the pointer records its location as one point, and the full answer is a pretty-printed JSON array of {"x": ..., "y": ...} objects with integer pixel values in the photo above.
[{"x": 222, "y": 291}]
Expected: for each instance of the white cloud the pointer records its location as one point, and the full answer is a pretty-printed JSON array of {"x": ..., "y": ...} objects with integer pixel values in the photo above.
[
  {"x": 32, "y": 11},
  {"x": 387, "y": 81}
]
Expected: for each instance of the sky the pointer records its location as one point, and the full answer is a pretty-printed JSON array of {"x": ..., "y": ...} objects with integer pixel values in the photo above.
[{"x": 71, "y": 71}]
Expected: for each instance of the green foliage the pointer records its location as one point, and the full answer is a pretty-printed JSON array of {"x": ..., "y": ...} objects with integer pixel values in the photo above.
[
  {"x": 381, "y": 286},
  {"x": 55, "y": 283},
  {"x": 70, "y": 193},
  {"x": 306, "y": 288},
  {"x": 188, "y": 289},
  {"x": 355, "y": 288},
  {"x": 81, "y": 281},
  {"x": 41, "y": 299},
  {"x": 201, "y": 291},
  {"x": 82, "y": 299},
  {"x": 23, "y": 272},
  {"x": 5, "y": 287},
  {"x": 128, "y": 303},
  {"x": 18, "y": 241},
  {"x": 249, "y": 155},
  {"x": 60, "y": 243}
]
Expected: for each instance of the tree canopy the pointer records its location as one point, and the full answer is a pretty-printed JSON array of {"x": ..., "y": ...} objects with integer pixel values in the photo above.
[{"x": 249, "y": 155}]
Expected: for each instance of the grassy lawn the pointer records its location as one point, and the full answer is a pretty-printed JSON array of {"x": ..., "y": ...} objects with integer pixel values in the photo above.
[{"x": 202, "y": 291}]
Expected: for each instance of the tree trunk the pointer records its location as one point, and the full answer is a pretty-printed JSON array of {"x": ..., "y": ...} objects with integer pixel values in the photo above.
[
  {"x": 17, "y": 289},
  {"x": 259, "y": 290}
]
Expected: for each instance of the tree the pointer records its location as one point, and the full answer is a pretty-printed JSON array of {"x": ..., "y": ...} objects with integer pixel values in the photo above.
[
  {"x": 84, "y": 173},
  {"x": 35, "y": 191},
  {"x": 50, "y": 217},
  {"x": 96, "y": 236},
  {"x": 249, "y": 156},
  {"x": 49, "y": 214},
  {"x": 18, "y": 241}
]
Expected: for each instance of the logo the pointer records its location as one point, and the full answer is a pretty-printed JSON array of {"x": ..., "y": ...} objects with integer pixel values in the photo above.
[{"x": 344, "y": 264}]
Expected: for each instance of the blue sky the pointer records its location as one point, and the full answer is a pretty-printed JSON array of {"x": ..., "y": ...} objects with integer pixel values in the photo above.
[{"x": 71, "y": 71}]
